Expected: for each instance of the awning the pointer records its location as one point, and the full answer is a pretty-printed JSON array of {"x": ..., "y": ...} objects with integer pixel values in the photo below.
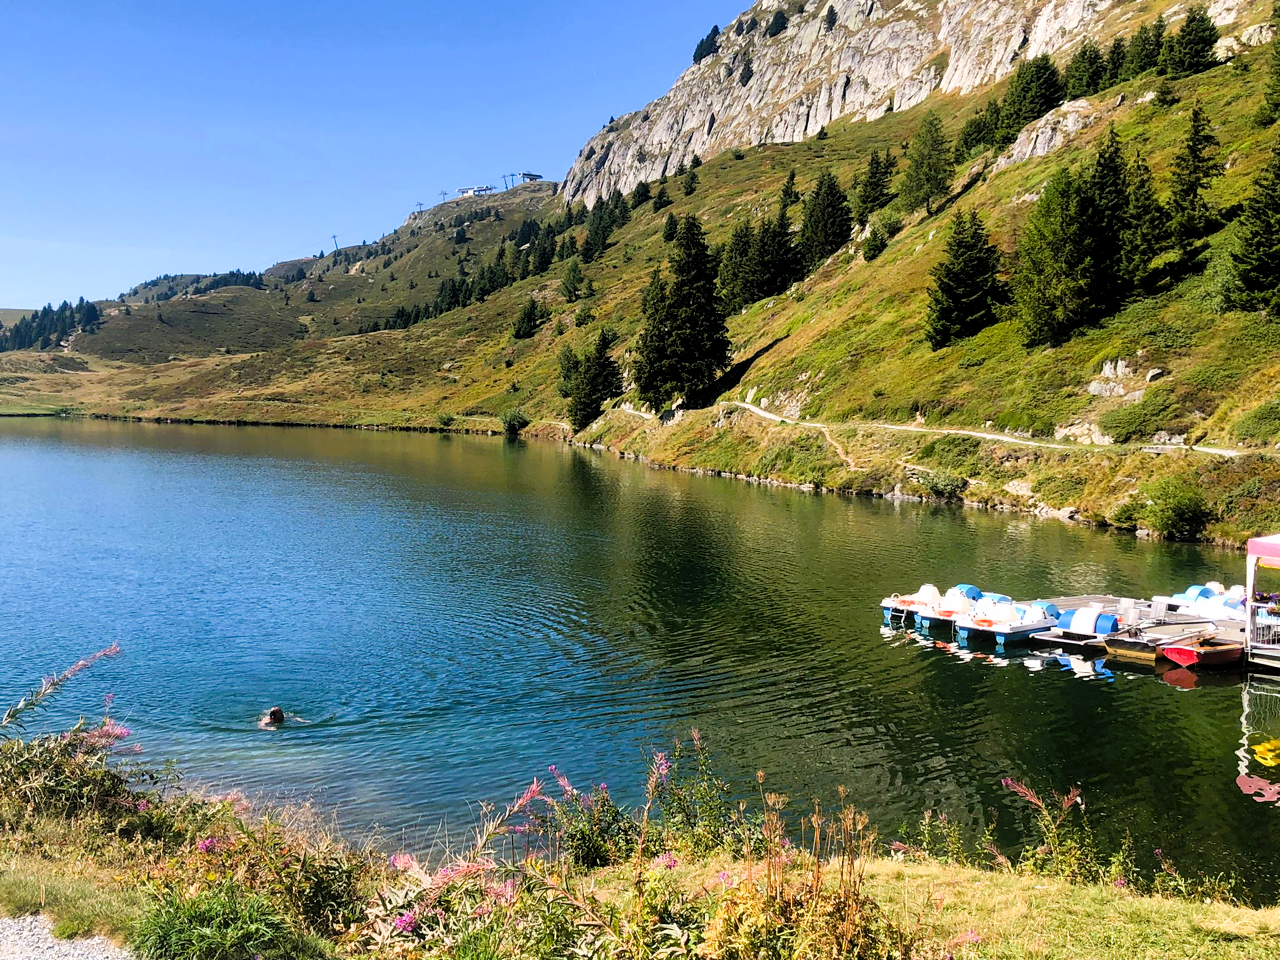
[{"x": 1266, "y": 550}]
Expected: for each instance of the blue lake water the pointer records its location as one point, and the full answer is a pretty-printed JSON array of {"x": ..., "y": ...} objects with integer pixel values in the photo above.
[{"x": 453, "y": 614}]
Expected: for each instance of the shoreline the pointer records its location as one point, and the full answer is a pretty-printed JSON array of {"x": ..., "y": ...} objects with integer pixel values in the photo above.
[{"x": 1071, "y": 516}]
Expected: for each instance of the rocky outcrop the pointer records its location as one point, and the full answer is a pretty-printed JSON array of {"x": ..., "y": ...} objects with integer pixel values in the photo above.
[
  {"x": 880, "y": 55},
  {"x": 1047, "y": 134}
]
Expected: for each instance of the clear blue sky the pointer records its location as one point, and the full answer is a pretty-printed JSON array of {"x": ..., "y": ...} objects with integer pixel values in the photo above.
[{"x": 148, "y": 138}]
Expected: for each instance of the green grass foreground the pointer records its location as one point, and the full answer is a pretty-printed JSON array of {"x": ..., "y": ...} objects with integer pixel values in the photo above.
[{"x": 104, "y": 845}]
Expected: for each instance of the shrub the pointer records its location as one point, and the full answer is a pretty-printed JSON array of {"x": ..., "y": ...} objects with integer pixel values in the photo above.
[
  {"x": 514, "y": 421},
  {"x": 593, "y": 830},
  {"x": 1175, "y": 508},
  {"x": 1259, "y": 425},
  {"x": 446, "y": 420},
  {"x": 1157, "y": 410},
  {"x": 225, "y": 922},
  {"x": 875, "y": 245},
  {"x": 946, "y": 487}
]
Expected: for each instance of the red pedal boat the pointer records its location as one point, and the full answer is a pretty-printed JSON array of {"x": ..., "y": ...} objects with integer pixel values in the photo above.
[{"x": 1205, "y": 652}]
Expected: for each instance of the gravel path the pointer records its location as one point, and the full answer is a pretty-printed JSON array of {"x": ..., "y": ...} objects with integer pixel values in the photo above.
[{"x": 28, "y": 938}]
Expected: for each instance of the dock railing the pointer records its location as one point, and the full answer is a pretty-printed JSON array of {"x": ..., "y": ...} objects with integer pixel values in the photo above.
[{"x": 1263, "y": 629}]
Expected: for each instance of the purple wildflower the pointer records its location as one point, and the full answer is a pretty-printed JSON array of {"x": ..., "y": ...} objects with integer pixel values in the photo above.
[
  {"x": 143, "y": 805},
  {"x": 402, "y": 861},
  {"x": 668, "y": 860},
  {"x": 407, "y": 922},
  {"x": 1120, "y": 882},
  {"x": 207, "y": 844}
]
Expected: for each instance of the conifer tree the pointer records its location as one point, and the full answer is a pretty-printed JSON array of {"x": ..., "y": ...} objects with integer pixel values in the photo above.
[
  {"x": 735, "y": 281},
  {"x": 929, "y": 165},
  {"x": 1147, "y": 235},
  {"x": 662, "y": 200},
  {"x": 684, "y": 343},
  {"x": 827, "y": 221},
  {"x": 569, "y": 366},
  {"x": 876, "y": 244},
  {"x": 1190, "y": 50},
  {"x": 1194, "y": 168},
  {"x": 1257, "y": 254},
  {"x": 526, "y": 324},
  {"x": 1055, "y": 275},
  {"x": 640, "y": 195},
  {"x": 873, "y": 191},
  {"x": 1106, "y": 204},
  {"x": 1086, "y": 74},
  {"x": 774, "y": 263},
  {"x": 790, "y": 194},
  {"x": 831, "y": 19},
  {"x": 670, "y": 229},
  {"x": 597, "y": 379},
  {"x": 1116, "y": 57},
  {"x": 967, "y": 287},
  {"x": 1036, "y": 88},
  {"x": 571, "y": 282},
  {"x": 690, "y": 183},
  {"x": 1143, "y": 53}
]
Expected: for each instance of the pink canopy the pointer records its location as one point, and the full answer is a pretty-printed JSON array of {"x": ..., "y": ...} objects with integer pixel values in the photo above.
[{"x": 1266, "y": 550}]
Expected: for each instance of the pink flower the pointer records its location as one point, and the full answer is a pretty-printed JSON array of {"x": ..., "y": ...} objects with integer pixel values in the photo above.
[
  {"x": 667, "y": 860},
  {"x": 407, "y": 922},
  {"x": 208, "y": 844},
  {"x": 143, "y": 805},
  {"x": 1120, "y": 882},
  {"x": 661, "y": 766},
  {"x": 402, "y": 861},
  {"x": 725, "y": 878}
]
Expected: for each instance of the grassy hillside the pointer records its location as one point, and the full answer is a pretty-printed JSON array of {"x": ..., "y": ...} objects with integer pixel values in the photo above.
[{"x": 844, "y": 348}]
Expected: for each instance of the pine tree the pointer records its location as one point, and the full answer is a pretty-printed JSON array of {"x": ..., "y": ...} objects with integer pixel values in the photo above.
[
  {"x": 695, "y": 163},
  {"x": 776, "y": 25},
  {"x": 832, "y": 19},
  {"x": 790, "y": 194},
  {"x": 640, "y": 195},
  {"x": 876, "y": 244},
  {"x": 827, "y": 221},
  {"x": 1106, "y": 205},
  {"x": 1194, "y": 168},
  {"x": 967, "y": 287},
  {"x": 1257, "y": 254},
  {"x": 1143, "y": 53},
  {"x": 571, "y": 283},
  {"x": 1055, "y": 274},
  {"x": 1116, "y": 57},
  {"x": 684, "y": 342},
  {"x": 929, "y": 166},
  {"x": 873, "y": 190},
  {"x": 774, "y": 263},
  {"x": 597, "y": 379},
  {"x": 654, "y": 377},
  {"x": 1086, "y": 74},
  {"x": 1036, "y": 88},
  {"x": 670, "y": 229},
  {"x": 734, "y": 280},
  {"x": 569, "y": 366},
  {"x": 662, "y": 200},
  {"x": 1147, "y": 235},
  {"x": 1190, "y": 50},
  {"x": 690, "y": 183},
  {"x": 527, "y": 322}
]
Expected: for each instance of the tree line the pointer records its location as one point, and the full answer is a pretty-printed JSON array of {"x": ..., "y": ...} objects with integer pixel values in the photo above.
[
  {"x": 1037, "y": 86},
  {"x": 50, "y": 325}
]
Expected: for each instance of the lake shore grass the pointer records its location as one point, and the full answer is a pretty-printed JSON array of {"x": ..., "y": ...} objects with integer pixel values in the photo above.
[{"x": 101, "y": 844}]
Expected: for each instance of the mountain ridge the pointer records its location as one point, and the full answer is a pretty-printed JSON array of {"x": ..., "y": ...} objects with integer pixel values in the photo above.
[{"x": 877, "y": 57}]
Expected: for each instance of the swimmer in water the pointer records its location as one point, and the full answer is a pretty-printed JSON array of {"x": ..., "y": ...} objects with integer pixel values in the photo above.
[{"x": 273, "y": 719}]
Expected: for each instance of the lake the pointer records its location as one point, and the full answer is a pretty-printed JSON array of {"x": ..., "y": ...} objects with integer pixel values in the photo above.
[{"x": 452, "y": 614}]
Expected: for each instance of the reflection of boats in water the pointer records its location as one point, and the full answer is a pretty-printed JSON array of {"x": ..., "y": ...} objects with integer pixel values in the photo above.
[{"x": 1259, "y": 751}]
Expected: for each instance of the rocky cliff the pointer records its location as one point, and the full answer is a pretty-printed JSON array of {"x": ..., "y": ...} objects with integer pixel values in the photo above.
[{"x": 878, "y": 55}]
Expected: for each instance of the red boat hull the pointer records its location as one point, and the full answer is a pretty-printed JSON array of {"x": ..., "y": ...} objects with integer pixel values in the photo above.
[{"x": 1193, "y": 655}]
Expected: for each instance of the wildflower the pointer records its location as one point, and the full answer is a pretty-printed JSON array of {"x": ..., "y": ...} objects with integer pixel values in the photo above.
[
  {"x": 407, "y": 922},
  {"x": 1159, "y": 853},
  {"x": 402, "y": 861},
  {"x": 667, "y": 860},
  {"x": 1120, "y": 882},
  {"x": 143, "y": 805},
  {"x": 898, "y": 847},
  {"x": 661, "y": 766},
  {"x": 207, "y": 844},
  {"x": 725, "y": 879}
]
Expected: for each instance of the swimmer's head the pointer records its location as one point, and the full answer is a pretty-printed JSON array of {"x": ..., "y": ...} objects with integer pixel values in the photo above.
[{"x": 275, "y": 715}]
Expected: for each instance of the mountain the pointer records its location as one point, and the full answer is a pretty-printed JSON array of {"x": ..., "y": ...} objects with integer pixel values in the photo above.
[
  {"x": 833, "y": 381},
  {"x": 851, "y": 58}
]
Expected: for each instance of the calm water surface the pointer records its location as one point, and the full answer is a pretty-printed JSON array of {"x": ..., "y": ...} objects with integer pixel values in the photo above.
[{"x": 453, "y": 614}]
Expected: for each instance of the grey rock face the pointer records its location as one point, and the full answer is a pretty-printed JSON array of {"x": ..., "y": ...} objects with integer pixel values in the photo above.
[{"x": 882, "y": 55}]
